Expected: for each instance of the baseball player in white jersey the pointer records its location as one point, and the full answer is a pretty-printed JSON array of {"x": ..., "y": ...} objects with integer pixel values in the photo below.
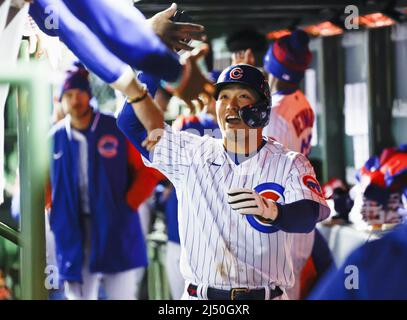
[
  {"x": 240, "y": 197},
  {"x": 291, "y": 119}
]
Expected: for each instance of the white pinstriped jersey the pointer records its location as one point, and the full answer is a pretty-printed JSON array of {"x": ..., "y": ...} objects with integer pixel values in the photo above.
[
  {"x": 219, "y": 246},
  {"x": 291, "y": 121}
]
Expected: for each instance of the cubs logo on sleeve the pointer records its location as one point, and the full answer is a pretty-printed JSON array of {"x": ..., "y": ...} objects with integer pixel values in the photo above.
[
  {"x": 268, "y": 190},
  {"x": 311, "y": 183},
  {"x": 107, "y": 146}
]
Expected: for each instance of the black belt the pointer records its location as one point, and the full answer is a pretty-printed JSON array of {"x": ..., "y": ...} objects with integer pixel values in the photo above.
[{"x": 235, "y": 293}]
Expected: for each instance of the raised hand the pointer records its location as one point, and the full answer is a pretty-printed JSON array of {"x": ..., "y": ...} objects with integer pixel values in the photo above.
[
  {"x": 173, "y": 34},
  {"x": 193, "y": 82}
]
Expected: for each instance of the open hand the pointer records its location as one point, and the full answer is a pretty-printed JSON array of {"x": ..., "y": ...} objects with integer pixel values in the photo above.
[{"x": 173, "y": 34}]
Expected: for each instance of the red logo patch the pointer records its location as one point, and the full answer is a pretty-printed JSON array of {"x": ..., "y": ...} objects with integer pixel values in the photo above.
[
  {"x": 236, "y": 73},
  {"x": 107, "y": 146},
  {"x": 270, "y": 195},
  {"x": 311, "y": 183},
  {"x": 271, "y": 190}
]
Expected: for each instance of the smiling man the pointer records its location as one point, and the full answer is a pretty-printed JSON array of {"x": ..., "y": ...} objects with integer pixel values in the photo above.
[{"x": 240, "y": 197}]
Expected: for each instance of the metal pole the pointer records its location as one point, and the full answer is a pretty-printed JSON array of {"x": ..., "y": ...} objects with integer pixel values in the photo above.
[
  {"x": 33, "y": 151},
  {"x": 10, "y": 234}
]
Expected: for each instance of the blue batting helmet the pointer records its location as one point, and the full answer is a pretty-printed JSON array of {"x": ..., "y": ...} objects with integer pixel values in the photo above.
[{"x": 256, "y": 115}]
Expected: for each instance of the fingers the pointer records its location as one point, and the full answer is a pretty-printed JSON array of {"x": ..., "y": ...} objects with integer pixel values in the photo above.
[
  {"x": 236, "y": 191},
  {"x": 247, "y": 55},
  {"x": 150, "y": 142},
  {"x": 238, "y": 197},
  {"x": 244, "y": 201},
  {"x": 188, "y": 27},
  {"x": 168, "y": 13},
  {"x": 200, "y": 52},
  {"x": 32, "y": 44},
  {"x": 180, "y": 45},
  {"x": 244, "y": 204},
  {"x": 249, "y": 210},
  {"x": 187, "y": 36},
  {"x": 238, "y": 57},
  {"x": 209, "y": 89},
  {"x": 205, "y": 97},
  {"x": 200, "y": 103},
  {"x": 190, "y": 105}
]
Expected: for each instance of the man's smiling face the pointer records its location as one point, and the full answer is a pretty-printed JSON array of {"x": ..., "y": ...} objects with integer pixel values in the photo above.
[{"x": 230, "y": 100}]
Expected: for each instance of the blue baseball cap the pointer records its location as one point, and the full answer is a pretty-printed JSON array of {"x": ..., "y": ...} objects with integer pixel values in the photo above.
[{"x": 246, "y": 75}]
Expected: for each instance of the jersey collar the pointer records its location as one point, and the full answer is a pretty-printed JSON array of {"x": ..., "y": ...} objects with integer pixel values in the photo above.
[
  {"x": 240, "y": 158},
  {"x": 92, "y": 127}
]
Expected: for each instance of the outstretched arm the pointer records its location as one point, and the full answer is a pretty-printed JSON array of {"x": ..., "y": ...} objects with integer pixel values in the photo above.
[{"x": 144, "y": 125}]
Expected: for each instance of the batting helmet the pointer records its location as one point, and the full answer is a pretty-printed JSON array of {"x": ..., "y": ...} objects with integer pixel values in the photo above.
[{"x": 256, "y": 115}]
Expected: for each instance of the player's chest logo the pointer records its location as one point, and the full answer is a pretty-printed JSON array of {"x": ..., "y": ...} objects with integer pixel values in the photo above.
[
  {"x": 311, "y": 183},
  {"x": 108, "y": 145},
  {"x": 269, "y": 190}
]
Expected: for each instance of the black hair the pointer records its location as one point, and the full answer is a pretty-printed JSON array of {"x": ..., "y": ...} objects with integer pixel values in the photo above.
[{"x": 248, "y": 38}]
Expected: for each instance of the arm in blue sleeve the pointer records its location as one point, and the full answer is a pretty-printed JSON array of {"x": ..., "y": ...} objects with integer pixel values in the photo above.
[
  {"x": 128, "y": 122},
  {"x": 125, "y": 32},
  {"x": 321, "y": 255},
  {"x": 132, "y": 128},
  {"x": 151, "y": 81},
  {"x": 79, "y": 38},
  {"x": 297, "y": 217},
  {"x": 39, "y": 15}
]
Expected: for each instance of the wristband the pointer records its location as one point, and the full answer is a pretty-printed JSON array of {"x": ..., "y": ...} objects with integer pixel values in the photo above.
[{"x": 140, "y": 98}]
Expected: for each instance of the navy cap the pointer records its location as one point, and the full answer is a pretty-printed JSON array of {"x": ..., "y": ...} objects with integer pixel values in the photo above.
[{"x": 246, "y": 75}]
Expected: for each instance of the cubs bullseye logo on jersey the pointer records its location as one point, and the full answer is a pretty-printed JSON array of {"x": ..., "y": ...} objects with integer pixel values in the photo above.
[
  {"x": 271, "y": 190},
  {"x": 311, "y": 183},
  {"x": 236, "y": 73},
  {"x": 268, "y": 190},
  {"x": 107, "y": 146}
]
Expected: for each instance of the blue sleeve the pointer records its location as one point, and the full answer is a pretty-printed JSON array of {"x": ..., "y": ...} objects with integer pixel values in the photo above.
[
  {"x": 37, "y": 12},
  {"x": 125, "y": 32},
  {"x": 128, "y": 122},
  {"x": 77, "y": 36},
  {"x": 171, "y": 213},
  {"x": 297, "y": 217},
  {"x": 151, "y": 81},
  {"x": 132, "y": 128},
  {"x": 321, "y": 254}
]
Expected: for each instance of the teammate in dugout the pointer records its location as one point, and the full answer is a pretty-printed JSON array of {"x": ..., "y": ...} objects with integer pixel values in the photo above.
[
  {"x": 98, "y": 181},
  {"x": 291, "y": 123},
  {"x": 239, "y": 202}
]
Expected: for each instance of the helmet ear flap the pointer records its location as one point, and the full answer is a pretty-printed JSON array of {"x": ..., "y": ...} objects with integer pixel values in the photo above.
[{"x": 256, "y": 115}]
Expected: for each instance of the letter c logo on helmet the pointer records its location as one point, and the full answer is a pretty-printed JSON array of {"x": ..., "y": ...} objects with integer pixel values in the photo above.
[{"x": 236, "y": 73}]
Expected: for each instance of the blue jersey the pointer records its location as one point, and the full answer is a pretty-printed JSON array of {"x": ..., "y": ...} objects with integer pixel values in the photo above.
[
  {"x": 374, "y": 271},
  {"x": 117, "y": 242}
]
